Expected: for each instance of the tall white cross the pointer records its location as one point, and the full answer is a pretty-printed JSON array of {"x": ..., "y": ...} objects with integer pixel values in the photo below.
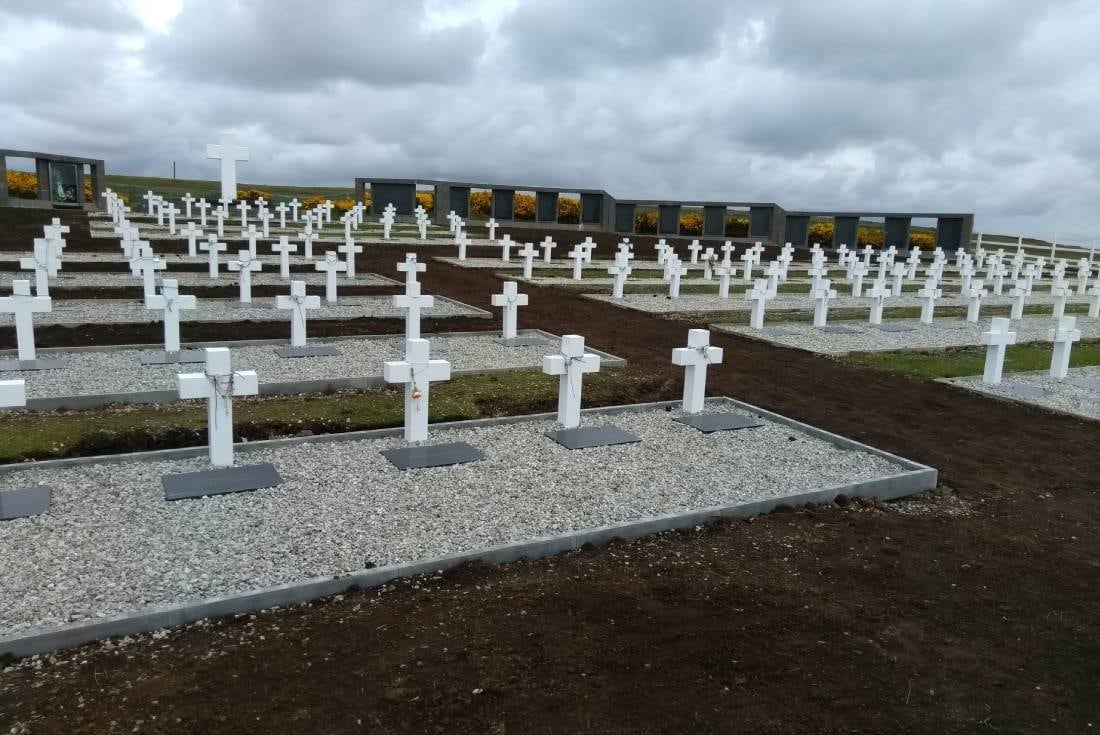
[
  {"x": 192, "y": 234},
  {"x": 577, "y": 254},
  {"x": 387, "y": 223},
  {"x": 298, "y": 303},
  {"x": 43, "y": 263},
  {"x": 506, "y": 247},
  {"x": 219, "y": 215},
  {"x": 676, "y": 271},
  {"x": 1060, "y": 291},
  {"x": 928, "y": 296},
  {"x": 492, "y": 225},
  {"x": 749, "y": 259},
  {"x": 898, "y": 271},
  {"x": 413, "y": 302},
  {"x": 417, "y": 372},
  {"x": 246, "y": 263},
  {"x": 694, "y": 249},
  {"x": 528, "y": 254},
  {"x": 187, "y": 200},
  {"x": 858, "y": 271},
  {"x": 284, "y": 248},
  {"x": 974, "y": 294},
  {"x": 202, "y": 205},
  {"x": 695, "y": 358},
  {"x": 547, "y": 246},
  {"x": 243, "y": 207},
  {"x": 620, "y": 271},
  {"x": 725, "y": 271},
  {"x": 349, "y": 249},
  {"x": 149, "y": 198},
  {"x": 509, "y": 301},
  {"x": 146, "y": 265},
  {"x": 228, "y": 152},
  {"x": 294, "y": 204},
  {"x": 171, "y": 303},
  {"x": 758, "y": 296},
  {"x": 1018, "y": 294},
  {"x": 878, "y": 293},
  {"x": 331, "y": 265},
  {"x": 282, "y": 209},
  {"x": 250, "y": 234},
  {"x": 23, "y": 307},
  {"x": 212, "y": 247},
  {"x": 172, "y": 211},
  {"x": 410, "y": 268},
  {"x": 821, "y": 296},
  {"x": 996, "y": 340},
  {"x": 218, "y": 384},
  {"x": 570, "y": 366},
  {"x": 1063, "y": 336}
]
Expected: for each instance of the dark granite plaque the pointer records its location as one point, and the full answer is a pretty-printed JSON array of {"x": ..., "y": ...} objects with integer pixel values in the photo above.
[
  {"x": 1021, "y": 390},
  {"x": 23, "y": 502},
  {"x": 174, "y": 358},
  {"x": 307, "y": 351},
  {"x": 838, "y": 329},
  {"x": 709, "y": 423},
  {"x": 592, "y": 436},
  {"x": 521, "y": 341},
  {"x": 434, "y": 455},
  {"x": 12, "y": 365},
  {"x": 220, "y": 481},
  {"x": 887, "y": 327}
]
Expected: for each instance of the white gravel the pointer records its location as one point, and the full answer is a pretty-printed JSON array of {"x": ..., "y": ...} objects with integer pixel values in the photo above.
[
  {"x": 947, "y": 332},
  {"x": 117, "y": 311},
  {"x": 119, "y": 371},
  {"x": 190, "y": 279},
  {"x": 110, "y": 543},
  {"x": 1058, "y": 395}
]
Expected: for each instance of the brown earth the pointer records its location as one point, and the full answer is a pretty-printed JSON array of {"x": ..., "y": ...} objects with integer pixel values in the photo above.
[{"x": 973, "y": 610}]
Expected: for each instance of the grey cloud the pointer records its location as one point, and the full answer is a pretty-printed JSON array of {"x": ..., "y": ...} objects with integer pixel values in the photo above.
[{"x": 108, "y": 15}]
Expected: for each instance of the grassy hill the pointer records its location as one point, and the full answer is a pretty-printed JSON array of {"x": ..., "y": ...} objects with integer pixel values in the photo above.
[{"x": 135, "y": 186}]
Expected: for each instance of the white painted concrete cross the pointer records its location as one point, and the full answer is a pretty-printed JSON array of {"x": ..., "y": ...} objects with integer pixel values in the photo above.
[
  {"x": 898, "y": 271},
  {"x": 265, "y": 222},
  {"x": 331, "y": 265},
  {"x": 1063, "y": 336},
  {"x": 725, "y": 271},
  {"x": 192, "y": 234},
  {"x": 171, "y": 303},
  {"x": 506, "y": 248},
  {"x": 999, "y": 271},
  {"x": 878, "y": 293},
  {"x": 570, "y": 366},
  {"x": 528, "y": 254},
  {"x": 410, "y": 268},
  {"x": 219, "y": 215},
  {"x": 250, "y": 234},
  {"x": 218, "y": 384},
  {"x": 675, "y": 272},
  {"x": 284, "y": 248},
  {"x": 282, "y": 209},
  {"x": 145, "y": 266},
  {"x": 387, "y": 221},
  {"x": 749, "y": 259},
  {"x": 509, "y": 301},
  {"x": 928, "y": 296},
  {"x": 417, "y": 372},
  {"x": 694, "y": 359},
  {"x": 413, "y": 302},
  {"x": 694, "y": 249},
  {"x": 307, "y": 238},
  {"x": 149, "y": 198},
  {"x": 1084, "y": 273},
  {"x": 202, "y": 205},
  {"x": 858, "y": 271},
  {"x": 821, "y": 296},
  {"x": 299, "y": 304},
  {"x": 547, "y": 246},
  {"x": 1018, "y": 294},
  {"x": 43, "y": 263},
  {"x": 759, "y": 296},
  {"x": 228, "y": 152},
  {"x": 187, "y": 199},
  {"x": 785, "y": 258},
  {"x": 23, "y": 306},
  {"x": 492, "y": 225},
  {"x": 172, "y": 211},
  {"x": 996, "y": 340},
  {"x": 1060, "y": 290},
  {"x": 294, "y": 204},
  {"x": 349, "y": 249},
  {"x": 463, "y": 242},
  {"x": 868, "y": 251},
  {"x": 212, "y": 247},
  {"x": 246, "y": 264},
  {"x": 620, "y": 271},
  {"x": 974, "y": 293},
  {"x": 577, "y": 254}
]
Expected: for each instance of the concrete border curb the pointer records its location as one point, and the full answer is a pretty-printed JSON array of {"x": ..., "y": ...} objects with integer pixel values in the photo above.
[
  {"x": 914, "y": 478},
  {"x": 94, "y": 400}
]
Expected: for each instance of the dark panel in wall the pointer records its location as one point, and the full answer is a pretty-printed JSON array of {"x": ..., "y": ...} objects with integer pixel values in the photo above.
[
  {"x": 949, "y": 233},
  {"x": 846, "y": 232},
  {"x": 624, "y": 217},
  {"x": 546, "y": 206},
  {"x": 897, "y": 232},
  {"x": 504, "y": 203},
  {"x": 402, "y": 196},
  {"x": 591, "y": 209},
  {"x": 797, "y": 228},
  {"x": 714, "y": 221},
  {"x": 460, "y": 201},
  {"x": 668, "y": 219},
  {"x": 760, "y": 222}
]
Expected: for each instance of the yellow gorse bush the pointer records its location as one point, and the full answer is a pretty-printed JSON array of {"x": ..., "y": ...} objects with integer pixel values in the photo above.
[{"x": 24, "y": 185}]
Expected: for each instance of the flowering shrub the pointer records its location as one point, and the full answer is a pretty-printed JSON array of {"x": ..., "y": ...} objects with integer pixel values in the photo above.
[
  {"x": 311, "y": 202},
  {"x": 22, "y": 184},
  {"x": 341, "y": 206},
  {"x": 251, "y": 195},
  {"x": 737, "y": 226},
  {"x": 524, "y": 207},
  {"x": 691, "y": 223},
  {"x": 645, "y": 223},
  {"x": 426, "y": 199},
  {"x": 569, "y": 210},
  {"x": 481, "y": 203},
  {"x": 923, "y": 240}
]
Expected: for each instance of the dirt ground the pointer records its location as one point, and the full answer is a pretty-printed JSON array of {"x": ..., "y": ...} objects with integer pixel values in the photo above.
[{"x": 974, "y": 609}]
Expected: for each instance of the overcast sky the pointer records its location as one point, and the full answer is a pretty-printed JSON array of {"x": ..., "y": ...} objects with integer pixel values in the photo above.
[{"x": 990, "y": 106}]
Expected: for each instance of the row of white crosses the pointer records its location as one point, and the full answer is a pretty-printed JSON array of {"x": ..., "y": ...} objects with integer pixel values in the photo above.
[
  {"x": 45, "y": 258},
  {"x": 1000, "y": 336}
]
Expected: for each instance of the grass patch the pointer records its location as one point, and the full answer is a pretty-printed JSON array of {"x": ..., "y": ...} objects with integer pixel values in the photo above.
[
  {"x": 135, "y": 186},
  {"x": 958, "y": 362},
  {"x": 126, "y": 428}
]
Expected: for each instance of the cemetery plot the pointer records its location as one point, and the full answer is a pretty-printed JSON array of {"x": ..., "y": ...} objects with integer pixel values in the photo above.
[
  {"x": 901, "y": 334},
  {"x": 111, "y": 375},
  {"x": 112, "y": 544},
  {"x": 116, "y": 311},
  {"x": 1078, "y": 393}
]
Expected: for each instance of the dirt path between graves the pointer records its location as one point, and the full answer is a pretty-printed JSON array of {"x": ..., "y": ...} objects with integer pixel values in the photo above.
[{"x": 973, "y": 610}]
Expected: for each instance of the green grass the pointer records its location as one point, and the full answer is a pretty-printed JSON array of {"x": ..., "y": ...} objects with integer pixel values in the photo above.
[
  {"x": 860, "y": 315},
  {"x": 108, "y": 430},
  {"x": 961, "y": 361},
  {"x": 135, "y": 186}
]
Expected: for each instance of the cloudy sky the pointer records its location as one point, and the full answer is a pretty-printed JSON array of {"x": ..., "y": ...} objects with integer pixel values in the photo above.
[{"x": 990, "y": 106}]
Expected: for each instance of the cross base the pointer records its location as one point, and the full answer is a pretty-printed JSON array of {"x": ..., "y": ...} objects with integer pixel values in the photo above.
[
  {"x": 779, "y": 332},
  {"x": 174, "y": 358},
  {"x": 528, "y": 341},
  {"x": 708, "y": 423},
  {"x": 307, "y": 351},
  {"x": 12, "y": 365},
  {"x": 433, "y": 455},
  {"x": 895, "y": 327},
  {"x": 220, "y": 481},
  {"x": 1021, "y": 390},
  {"x": 23, "y": 502},
  {"x": 585, "y": 437},
  {"x": 838, "y": 329},
  {"x": 1090, "y": 383}
]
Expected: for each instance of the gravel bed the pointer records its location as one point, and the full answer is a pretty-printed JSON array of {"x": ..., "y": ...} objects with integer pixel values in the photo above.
[
  {"x": 110, "y": 543},
  {"x": 948, "y": 332},
  {"x": 374, "y": 235},
  {"x": 189, "y": 279},
  {"x": 597, "y": 264},
  {"x": 689, "y": 303},
  {"x": 119, "y": 371},
  {"x": 117, "y": 311},
  {"x": 1058, "y": 395}
]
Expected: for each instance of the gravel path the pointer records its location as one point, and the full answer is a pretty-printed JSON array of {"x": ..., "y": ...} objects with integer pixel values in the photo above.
[
  {"x": 110, "y": 543},
  {"x": 116, "y": 311},
  {"x": 119, "y": 371},
  {"x": 948, "y": 332},
  {"x": 188, "y": 279},
  {"x": 1066, "y": 395},
  {"x": 410, "y": 235}
]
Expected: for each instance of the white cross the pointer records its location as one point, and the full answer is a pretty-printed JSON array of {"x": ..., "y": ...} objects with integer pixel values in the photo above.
[
  {"x": 192, "y": 233},
  {"x": 588, "y": 246},
  {"x": 821, "y": 296},
  {"x": 1018, "y": 293},
  {"x": 816, "y": 272},
  {"x": 662, "y": 251},
  {"x": 213, "y": 247},
  {"x": 282, "y": 209},
  {"x": 999, "y": 271},
  {"x": 492, "y": 225},
  {"x": 996, "y": 340},
  {"x": 749, "y": 259},
  {"x": 570, "y": 365},
  {"x": 298, "y": 304},
  {"x": 387, "y": 223},
  {"x": 974, "y": 294},
  {"x": 1059, "y": 291},
  {"x": 43, "y": 263},
  {"x": 528, "y": 254},
  {"x": 246, "y": 263},
  {"x": 621, "y": 271},
  {"x": 219, "y": 214},
  {"x": 250, "y": 234},
  {"x": 676, "y": 271},
  {"x": 707, "y": 259},
  {"x": 758, "y": 296},
  {"x": 410, "y": 268},
  {"x": 349, "y": 249},
  {"x": 725, "y": 271},
  {"x": 510, "y": 301},
  {"x": 187, "y": 199},
  {"x": 413, "y": 302},
  {"x": 149, "y": 198},
  {"x": 727, "y": 250},
  {"x": 1063, "y": 336},
  {"x": 146, "y": 265},
  {"x": 547, "y": 245},
  {"x": 171, "y": 303},
  {"x": 417, "y": 372},
  {"x": 294, "y": 204},
  {"x": 1084, "y": 272},
  {"x": 284, "y": 248},
  {"x": 159, "y": 206},
  {"x": 228, "y": 153},
  {"x": 878, "y": 294},
  {"x": 23, "y": 306},
  {"x": 859, "y": 270},
  {"x": 203, "y": 205},
  {"x": 868, "y": 251},
  {"x": 577, "y": 254},
  {"x": 898, "y": 272},
  {"x": 694, "y": 249},
  {"x": 172, "y": 211},
  {"x": 928, "y": 296},
  {"x": 265, "y": 221},
  {"x": 785, "y": 258},
  {"x": 695, "y": 358},
  {"x": 1094, "y": 301},
  {"x": 331, "y": 265},
  {"x": 218, "y": 384},
  {"x": 422, "y": 226},
  {"x": 463, "y": 242},
  {"x": 307, "y": 243},
  {"x": 506, "y": 247}
]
